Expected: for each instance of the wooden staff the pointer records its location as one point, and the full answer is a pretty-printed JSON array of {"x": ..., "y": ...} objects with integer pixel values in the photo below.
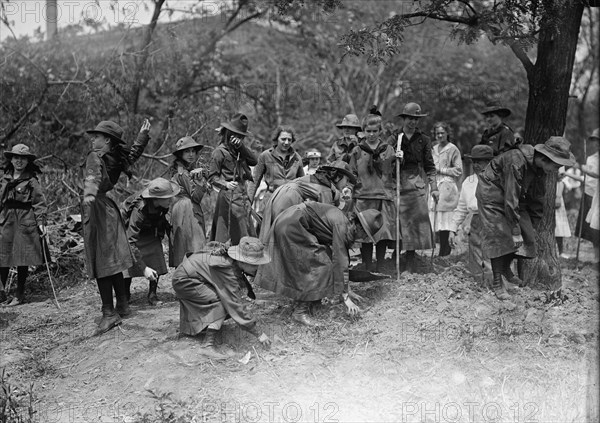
[
  {"x": 398, "y": 148},
  {"x": 581, "y": 203}
]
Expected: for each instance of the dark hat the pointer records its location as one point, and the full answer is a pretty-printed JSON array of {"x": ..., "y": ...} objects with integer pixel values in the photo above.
[
  {"x": 350, "y": 121},
  {"x": 503, "y": 112},
  {"x": 595, "y": 134},
  {"x": 340, "y": 167},
  {"x": 557, "y": 149},
  {"x": 161, "y": 188},
  {"x": 108, "y": 127},
  {"x": 185, "y": 143},
  {"x": 20, "y": 150},
  {"x": 412, "y": 110},
  {"x": 371, "y": 220},
  {"x": 238, "y": 124},
  {"x": 250, "y": 250},
  {"x": 481, "y": 152}
]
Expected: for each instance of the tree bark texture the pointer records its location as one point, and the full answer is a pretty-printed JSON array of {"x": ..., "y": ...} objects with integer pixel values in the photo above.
[{"x": 549, "y": 85}]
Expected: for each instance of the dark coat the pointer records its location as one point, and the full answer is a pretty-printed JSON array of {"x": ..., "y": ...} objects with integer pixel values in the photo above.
[
  {"x": 501, "y": 139},
  {"x": 23, "y": 209},
  {"x": 276, "y": 170},
  {"x": 510, "y": 198},
  {"x": 105, "y": 240}
]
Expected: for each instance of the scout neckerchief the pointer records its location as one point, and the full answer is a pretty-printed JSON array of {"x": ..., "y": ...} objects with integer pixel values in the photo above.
[{"x": 374, "y": 163}]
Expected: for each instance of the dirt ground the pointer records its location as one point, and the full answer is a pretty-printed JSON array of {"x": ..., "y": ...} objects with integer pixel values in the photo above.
[{"x": 435, "y": 348}]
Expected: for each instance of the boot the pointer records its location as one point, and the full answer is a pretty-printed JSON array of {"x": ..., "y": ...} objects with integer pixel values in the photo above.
[
  {"x": 127, "y": 283},
  {"x": 300, "y": 314},
  {"x": 152, "y": 297},
  {"x": 445, "y": 248},
  {"x": 512, "y": 280},
  {"x": 498, "y": 287},
  {"x": 366, "y": 254},
  {"x": 209, "y": 348},
  {"x": 123, "y": 307},
  {"x": 110, "y": 319}
]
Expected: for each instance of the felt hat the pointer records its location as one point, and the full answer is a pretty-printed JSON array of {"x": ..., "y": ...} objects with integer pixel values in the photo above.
[
  {"x": 412, "y": 110},
  {"x": 340, "y": 167},
  {"x": 110, "y": 128},
  {"x": 371, "y": 220},
  {"x": 481, "y": 152},
  {"x": 350, "y": 121},
  {"x": 250, "y": 250},
  {"x": 501, "y": 111},
  {"x": 557, "y": 149},
  {"x": 20, "y": 150},
  {"x": 185, "y": 143},
  {"x": 595, "y": 134},
  {"x": 161, "y": 188},
  {"x": 238, "y": 124}
]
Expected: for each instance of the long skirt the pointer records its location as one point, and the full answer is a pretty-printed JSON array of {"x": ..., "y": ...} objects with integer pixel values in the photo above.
[
  {"x": 300, "y": 267},
  {"x": 587, "y": 232},
  {"x": 232, "y": 225},
  {"x": 20, "y": 242},
  {"x": 199, "y": 303},
  {"x": 187, "y": 234},
  {"x": 414, "y": 216},
  {"x": 388, "y": 211},
  {"x": 107, "y": 249},
  {"x": 561, "y": 228},
  {"x": 153, "y": 255}
]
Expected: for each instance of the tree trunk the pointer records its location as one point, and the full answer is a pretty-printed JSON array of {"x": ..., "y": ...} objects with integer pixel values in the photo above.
[{"x": 549, "y": 84}]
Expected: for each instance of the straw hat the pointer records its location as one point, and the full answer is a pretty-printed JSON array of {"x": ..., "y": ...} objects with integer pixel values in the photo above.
[
  {"x": 250, "y": 250},
  {"x": 161, "y": 188}
]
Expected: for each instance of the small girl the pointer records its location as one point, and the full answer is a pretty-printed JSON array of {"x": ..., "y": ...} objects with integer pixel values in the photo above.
[{"x": 23, "y": 218}]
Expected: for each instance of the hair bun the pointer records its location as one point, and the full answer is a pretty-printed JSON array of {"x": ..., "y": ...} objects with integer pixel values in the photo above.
[{"x": 373, "y": 111}]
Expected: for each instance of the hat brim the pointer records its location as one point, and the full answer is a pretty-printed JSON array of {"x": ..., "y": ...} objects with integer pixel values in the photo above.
[
  {"x": 345, "y": 172},
  {"x": 198, "y": 146},
  {"x": 413, "y": 115},
  {"x": 503, "y": 112},
  {"x": 541, "y": 148},
  {"x": 339, "y": 125},
  {"x": 468, "y": 156},
  {"x": 95, "y": 131},
  {"x": 232, "y": 128},
  {"x": 10, "y": 154},
  {"x": 235, "y": 253},
  {"x": 175, "y": 187}
]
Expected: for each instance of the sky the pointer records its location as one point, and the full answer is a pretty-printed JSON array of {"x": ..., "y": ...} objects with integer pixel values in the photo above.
[{"x": 28, "y": 15}]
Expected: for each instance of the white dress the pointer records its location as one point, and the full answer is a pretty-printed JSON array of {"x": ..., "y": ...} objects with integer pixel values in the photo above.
[{"x": 448, "y": 165}]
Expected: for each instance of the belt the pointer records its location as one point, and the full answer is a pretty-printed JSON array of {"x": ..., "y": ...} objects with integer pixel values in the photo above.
[{"x": 17, "y": 205}]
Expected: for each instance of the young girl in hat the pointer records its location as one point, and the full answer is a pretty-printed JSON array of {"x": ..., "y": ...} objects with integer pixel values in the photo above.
[
  {"x": 229, "y": 172},
  {"x": 341, "y": 148},
  {"x": 107, "y": 251},
  {"x": 498, "y": 134},
  {"x": 313, "y": 160},
  {"x": 22, "y": 217},
  {"x": 147, "y": 225},
  {"x": 187, "y": 217}
]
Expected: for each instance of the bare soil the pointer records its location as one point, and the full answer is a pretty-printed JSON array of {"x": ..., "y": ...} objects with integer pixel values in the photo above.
[{"x": 436, "y": 347}]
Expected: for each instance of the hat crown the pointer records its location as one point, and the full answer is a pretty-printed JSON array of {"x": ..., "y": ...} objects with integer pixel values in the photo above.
[
  {"x": 559, "y": 146},
  {"x": 185, "y": 143},
  {"x": 313, "y": 154},
  {"x": 481, "y": 152},
  {"x": 21, "y": 150},
  {"x": 110, "y": 126},
  {"x": 238, "y": 123},
  {"x": 350, "y": 120},
  {"x": 413, "y": 110},
  {"x": 160, "y": 188},
  {"x": 250, "y": 249}
]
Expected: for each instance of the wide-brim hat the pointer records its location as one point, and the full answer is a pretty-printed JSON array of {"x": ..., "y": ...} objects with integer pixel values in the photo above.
[
  {"x": 161, "y": 188},
  {"x": 250, "y": 250},
  {"x": 412, "y": 110},
  {"x": 557, "y": 149},
  {"x": 20, "y": 150},
  {"x": 341, "y": 167},
  {"x": 501, "y": 111},
  {"x": 595, "y": 134},
  {"x": 110, "y": 128},
  {"x": 481, "y": 152},
  {"x": 238, "y": 124},
  {"x": 350, "y": 121},
  {"x": 185, "y": 143},
  {"x": 371, "y": 220}
]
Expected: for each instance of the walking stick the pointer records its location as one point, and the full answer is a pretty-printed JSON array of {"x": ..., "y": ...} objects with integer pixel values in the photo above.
[
  {"x": 433, "y": 230},
  {"x": 581, "y": 203},
  {"x": 44, "y": 247},
  {"x": 398, "y": 148}
]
